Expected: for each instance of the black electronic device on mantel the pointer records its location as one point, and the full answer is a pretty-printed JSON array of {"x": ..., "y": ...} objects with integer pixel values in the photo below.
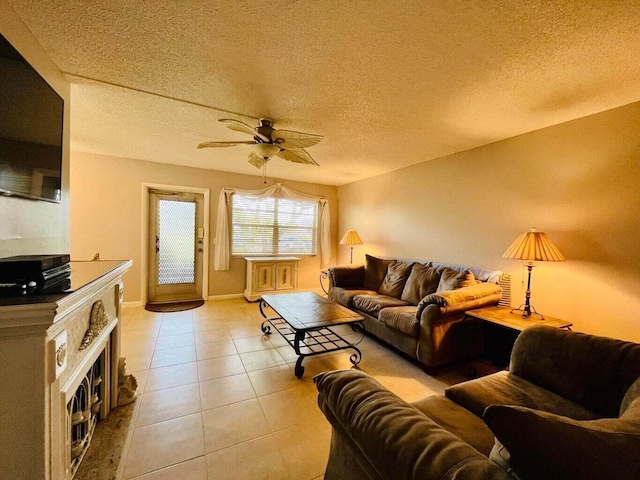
[
  {"x": 31, "y": 130},
  {"x": 24, "y": 274}
]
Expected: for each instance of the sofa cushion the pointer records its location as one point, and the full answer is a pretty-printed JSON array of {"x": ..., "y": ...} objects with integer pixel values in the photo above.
[
  {"x": 374, "y": 271},
  {"x": 457, "y": 420},
  {"x": 344, "y": 296},
  {"x": 548, "y": 446},
  {"x": 402, "y": 319},
  {"x": 422, "y": 281},
  {"x": 395, "y": 279},
  {"x": 504, "y": 388},
  {"x": 347, "y": 276},
  {"x": 372, "y": 304},
  {"x": 451, "y": 279}
]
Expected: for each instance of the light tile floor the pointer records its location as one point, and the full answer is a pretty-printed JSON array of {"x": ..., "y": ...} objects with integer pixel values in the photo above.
[{"x": 219, "y": 399}]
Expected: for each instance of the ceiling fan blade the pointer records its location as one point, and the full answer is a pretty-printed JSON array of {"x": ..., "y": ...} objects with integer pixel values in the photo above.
[
  {"x": 223, "y": 144},
  {"x": 255, "y": 160},
  {"x": 291, "y": 139},
  {"x": 297, "y": 156},
  {"x": 239, "y": 126}
]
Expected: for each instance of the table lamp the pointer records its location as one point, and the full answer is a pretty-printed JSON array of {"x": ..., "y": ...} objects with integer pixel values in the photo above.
[
  {"x": 351, "y": 238},
  {"x": 530, "y": 246}
]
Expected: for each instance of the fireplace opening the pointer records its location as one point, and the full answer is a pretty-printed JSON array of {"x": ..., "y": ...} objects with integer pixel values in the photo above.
[{"x": 84, "y": 411}]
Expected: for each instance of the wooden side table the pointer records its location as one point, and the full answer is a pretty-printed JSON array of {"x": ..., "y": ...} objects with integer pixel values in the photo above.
[
  {"x": 502, "y": 316},
  {"x": 501, "y": 328}
]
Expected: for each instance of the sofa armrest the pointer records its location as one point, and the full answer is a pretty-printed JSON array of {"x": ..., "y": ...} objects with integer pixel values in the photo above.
[
  {"x": 462, "y": 299},
  {"x": 393, "y": 438},
  {"x": 346, "y": 276},
  {"x": 445, "y": 335}
]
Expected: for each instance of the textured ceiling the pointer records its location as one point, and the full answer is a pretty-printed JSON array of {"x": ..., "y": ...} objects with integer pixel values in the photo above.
[{"x": 388, "y": 83}]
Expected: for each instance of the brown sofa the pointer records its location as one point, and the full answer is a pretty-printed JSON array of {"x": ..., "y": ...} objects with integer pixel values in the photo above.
[
  {"x": 418, "y": 307},
  {"x": 569, "y": 408}
]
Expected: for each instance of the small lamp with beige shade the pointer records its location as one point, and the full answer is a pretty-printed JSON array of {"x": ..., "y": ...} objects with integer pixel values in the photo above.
[
  {"x": 532, "y": 246},
  {"x": 351, "y": 238}
]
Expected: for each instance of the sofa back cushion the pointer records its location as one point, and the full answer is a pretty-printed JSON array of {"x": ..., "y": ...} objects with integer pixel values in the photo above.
[
  {"x": 451, "y": 279},
  {"x": 395, "y": 279},
  {"x": 548, "y": 446},
  {"x": 594, "y": 371},
  {"x": 347, "y": 276},
  {"x": 422, "y": 281},
  {"x": 374, "y": 271}
]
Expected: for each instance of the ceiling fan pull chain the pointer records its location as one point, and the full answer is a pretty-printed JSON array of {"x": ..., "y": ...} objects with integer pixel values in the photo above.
[{"x": 264, "y": 173}]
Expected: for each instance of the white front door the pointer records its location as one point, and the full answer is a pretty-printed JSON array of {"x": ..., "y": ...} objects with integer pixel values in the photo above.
[{"x": 176, "y": 235}]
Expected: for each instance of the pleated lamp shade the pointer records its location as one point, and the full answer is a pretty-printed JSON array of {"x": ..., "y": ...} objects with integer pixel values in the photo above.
[
  {"x": 534, "y": 245},
  {"x": 351, "y": 238}
]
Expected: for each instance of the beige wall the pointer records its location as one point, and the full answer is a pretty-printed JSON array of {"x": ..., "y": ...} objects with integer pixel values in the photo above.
[
  {"x": 578, "y": 181},
  {"x": 29, "y": 226},
  {"x": 107, "y": 215}
]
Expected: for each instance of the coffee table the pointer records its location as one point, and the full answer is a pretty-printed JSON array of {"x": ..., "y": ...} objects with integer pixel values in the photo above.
[{"x": 305, "y": 319}]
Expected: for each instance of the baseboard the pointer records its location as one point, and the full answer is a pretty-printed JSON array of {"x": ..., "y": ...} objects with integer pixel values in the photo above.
[
  {"x": 225, "y": 297},
  {"x": 132, "y": 304}
]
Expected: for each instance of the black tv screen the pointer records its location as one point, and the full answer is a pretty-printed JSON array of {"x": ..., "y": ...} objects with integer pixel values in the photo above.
[{"x": 31, "y": 117}]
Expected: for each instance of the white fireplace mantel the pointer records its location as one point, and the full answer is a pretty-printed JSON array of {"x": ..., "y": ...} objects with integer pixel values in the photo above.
[{"x": 41, "y": 365}]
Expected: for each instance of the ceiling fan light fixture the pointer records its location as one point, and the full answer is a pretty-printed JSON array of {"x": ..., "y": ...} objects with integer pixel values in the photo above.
[{"x": 265, "y": 150}]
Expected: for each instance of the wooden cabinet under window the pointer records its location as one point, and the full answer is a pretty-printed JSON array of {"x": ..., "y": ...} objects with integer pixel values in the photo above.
[{"x": 270, "y": 275}]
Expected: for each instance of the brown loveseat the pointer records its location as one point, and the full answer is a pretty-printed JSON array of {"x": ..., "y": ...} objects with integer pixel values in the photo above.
[
  {"x": 418, "y": 307},
  {"x": 569, "y": 408}
]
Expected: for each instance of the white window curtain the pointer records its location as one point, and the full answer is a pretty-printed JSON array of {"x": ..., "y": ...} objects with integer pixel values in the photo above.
[{"x": 222, "y": 249}]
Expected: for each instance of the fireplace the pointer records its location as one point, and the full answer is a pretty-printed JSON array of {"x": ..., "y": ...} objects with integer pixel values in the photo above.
[{"x": 59, "y": 358}]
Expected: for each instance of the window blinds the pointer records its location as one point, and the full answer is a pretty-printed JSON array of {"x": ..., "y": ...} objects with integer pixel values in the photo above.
[{"x": 273, "y": 226}]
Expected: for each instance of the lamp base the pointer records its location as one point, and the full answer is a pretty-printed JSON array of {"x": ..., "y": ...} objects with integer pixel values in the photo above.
[{"x": 527, "y": 310}]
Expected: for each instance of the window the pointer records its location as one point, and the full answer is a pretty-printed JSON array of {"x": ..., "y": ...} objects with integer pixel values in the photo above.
[{"x": 273, "y": 226}]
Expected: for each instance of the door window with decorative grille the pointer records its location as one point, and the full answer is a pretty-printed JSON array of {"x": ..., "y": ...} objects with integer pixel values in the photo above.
[
  {"x": 273, "y": 226},
  {"x": 175, "y": 246}
]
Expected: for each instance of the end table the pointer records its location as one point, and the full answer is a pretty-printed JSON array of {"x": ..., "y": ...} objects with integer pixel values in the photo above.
[{"x": 501, "y": 328}]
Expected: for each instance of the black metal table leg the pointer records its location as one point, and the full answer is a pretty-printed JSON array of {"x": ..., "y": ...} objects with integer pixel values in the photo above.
[
  {"x": 299, "y": 337},
  {"x": 299, "y": 369},
  {"x": 266, "y": 327},
  {"x": 323, "y": 276},
  {"x": 356, "y": 357}
]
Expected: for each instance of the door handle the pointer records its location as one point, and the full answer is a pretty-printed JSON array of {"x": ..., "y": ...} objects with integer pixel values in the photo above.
[{"x": 157, "y": 244}]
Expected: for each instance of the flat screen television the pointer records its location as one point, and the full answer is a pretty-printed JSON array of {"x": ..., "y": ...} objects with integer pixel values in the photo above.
[{"x": 31, "y": 118}]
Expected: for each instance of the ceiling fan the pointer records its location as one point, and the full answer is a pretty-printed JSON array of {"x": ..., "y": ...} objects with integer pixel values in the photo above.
[{"x": 268, "y": 142}]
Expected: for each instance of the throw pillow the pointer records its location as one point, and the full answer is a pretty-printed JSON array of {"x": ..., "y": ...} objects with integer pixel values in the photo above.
[
  {"x": 395, "y": 278},
  {"x": 374, "y": 271},
  {"x": 633, "y": 394},
  {"x": 422, "y": 281},
  {"x": 451, "y": 279},
  {"x": 543, "y": 445}
]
